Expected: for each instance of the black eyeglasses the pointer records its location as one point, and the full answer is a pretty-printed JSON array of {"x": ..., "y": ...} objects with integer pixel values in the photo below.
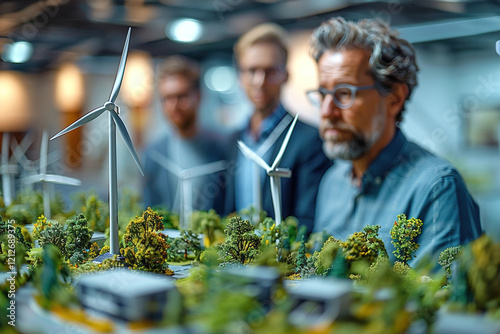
[{"x": 344, "y": 95}]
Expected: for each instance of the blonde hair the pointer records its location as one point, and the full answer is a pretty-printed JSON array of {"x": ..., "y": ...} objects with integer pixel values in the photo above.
[
  {"x": 180, "y": 65},
  {"x": 263, "y": 33}
]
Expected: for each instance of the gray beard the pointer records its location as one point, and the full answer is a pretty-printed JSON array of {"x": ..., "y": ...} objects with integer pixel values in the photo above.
[{"x": 351, "y": 150}]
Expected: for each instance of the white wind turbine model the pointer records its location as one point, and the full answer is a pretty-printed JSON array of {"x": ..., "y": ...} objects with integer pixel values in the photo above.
[
  {"x": 114, "y": 122},
  {"x": 48, "y": 179},
  {"x": 186, "y": 177},
  {"x": 273, "y": 171},
  {"x": 8, "y": 171}
]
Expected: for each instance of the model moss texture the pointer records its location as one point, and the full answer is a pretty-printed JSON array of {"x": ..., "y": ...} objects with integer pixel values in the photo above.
[
  {"x": 242, "y": 245},
  {"x": 146, "y": 247},
  {"x": 403, "y": 234}
]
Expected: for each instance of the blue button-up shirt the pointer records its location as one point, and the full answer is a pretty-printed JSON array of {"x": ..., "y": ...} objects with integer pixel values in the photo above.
[
  {"x": 407, "y": 179},
  {"x": 244, "y": 179}
]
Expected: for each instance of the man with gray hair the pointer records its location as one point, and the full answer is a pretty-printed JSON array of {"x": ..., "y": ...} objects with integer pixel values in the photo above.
[{"x": 366, "y": 74}]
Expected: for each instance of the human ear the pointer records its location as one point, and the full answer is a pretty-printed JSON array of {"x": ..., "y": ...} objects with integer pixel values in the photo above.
[{"x": 396, "y": 99}]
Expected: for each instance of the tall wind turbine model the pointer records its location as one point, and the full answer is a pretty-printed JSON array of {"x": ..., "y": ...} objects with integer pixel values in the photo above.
[
  {"x": 186, "y": 177},
  {"x": 114, "y": 121},
  {"x": 273, "y": 171},
  {"x": 47, "y": 179},
  {"x": 7, "y": 170}
]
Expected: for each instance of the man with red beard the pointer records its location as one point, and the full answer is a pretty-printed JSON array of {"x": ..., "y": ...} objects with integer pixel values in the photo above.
[
  {"x": 366, "y": 74},
  {"x": 261, "y": 56}
]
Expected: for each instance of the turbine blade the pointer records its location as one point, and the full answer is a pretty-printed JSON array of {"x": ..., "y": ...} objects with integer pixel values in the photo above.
[
  {"x": 206, "y": 169},
  {"x": 121, "y": 70},
  {"x": 166, "y": 163},
  {"x": 62, "y": 180},
  {"x": 84, "y": 120},
  {"x": 33, "y": 179},
  {"x": 44, "y": 148},
  {"x": 285, "y": 143},
  {"x": 19, "y": 149},
  {"x": 247, "y": 152},
  {"x": 123, "y": 131},
  {"x": 276, "y": 197}
]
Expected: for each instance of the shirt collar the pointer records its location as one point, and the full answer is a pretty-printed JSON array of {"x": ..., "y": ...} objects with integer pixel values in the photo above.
[{"x": 268, "y": 124}]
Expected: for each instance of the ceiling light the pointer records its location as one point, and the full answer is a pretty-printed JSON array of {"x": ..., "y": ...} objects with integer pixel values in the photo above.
[
  {"x": 184, "y": 30},
  {"x": 221, "y": 79},
  {"x": 17, "y": 52}
]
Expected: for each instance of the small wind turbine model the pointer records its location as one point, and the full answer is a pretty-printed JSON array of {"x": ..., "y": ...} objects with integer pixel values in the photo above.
[
  {"x": 273, "y": 171},
  {"x": 48, "y": 179},
  {"x": 186, "y": 177},
  {"x": 114, "y": 121},
  {"x": 8, "y": 171}
]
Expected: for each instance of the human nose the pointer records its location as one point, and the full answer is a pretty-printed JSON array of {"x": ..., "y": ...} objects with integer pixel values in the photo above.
[
  {"x": 329, "y": 108},
  {"x": 258, "y": 77}
]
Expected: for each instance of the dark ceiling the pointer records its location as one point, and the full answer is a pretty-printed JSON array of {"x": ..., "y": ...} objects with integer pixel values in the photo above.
[{"x": 62, "y": 29}]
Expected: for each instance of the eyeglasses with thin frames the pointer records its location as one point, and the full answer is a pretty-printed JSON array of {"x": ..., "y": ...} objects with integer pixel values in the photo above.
[
  {"x": 343, "y": 95},
  {"x": 272, "y": 74}
]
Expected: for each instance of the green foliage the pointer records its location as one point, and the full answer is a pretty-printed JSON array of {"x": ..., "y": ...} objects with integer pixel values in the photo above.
[
  {"x": 207, "y": 223},
  {"x": 78, "y": 239},
  {"x": 481, "y": 264},
  {"x": 364, "y": 245},
  {"x": 95, "y": 211},
  {"x": 54, "y": 235},
  {"x": 52, "y": 279},
  {"x": 323, "y": 259},
  {"x": 241, "y": 245},
  {"x": 446, "y": 259},
  {"x": 403, "y": 233},
  {"x": 93, "y": 251},
  {"x": 104, "y": 250},
  {"x": 301, "y": 260},
  {"x": 145, "y": 249},
  {"x": 89, "y": 266},
  {"x": 169, "y": 220},
  {"x": 21, "y": 239},
  {"x": 39, "y": 226},
  {"x": 254, "y": 216},
  {"x": 188, "y": 242}
]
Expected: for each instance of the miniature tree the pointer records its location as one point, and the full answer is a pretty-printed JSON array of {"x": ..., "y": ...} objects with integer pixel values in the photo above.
[
  {"x": 206, "y": 222},
  {"x": 104, "y": 250},
  {"x": 40, "y": 225},
  {"x": 93, "y": 251},
  {"x": 21, "y": 239},
  {"x": 3, "y": 230},
  {"x": 481, "y": 262},
  {"x": 78, "y": 239},
  {"x": 446, "y": 259},
  {"x": 180, "y": 247},
  {"x": 403, "y": 234},
  {"x": 168, "y": 219},
  {"x": 145, "y": 249},
  {"x": 54, "y": 235},
  {"x": 301, "y": 260},
  {"x": 94, "y": 210},
  {"x": 364, "y": 245},
  {"x": 323, "y": 259},
  {"x": 52, "y": 278},
  {"x": 241, "y": 245}
]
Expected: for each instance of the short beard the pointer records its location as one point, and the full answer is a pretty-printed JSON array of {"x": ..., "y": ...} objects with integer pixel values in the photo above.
[{"x": 350, "y": 150}]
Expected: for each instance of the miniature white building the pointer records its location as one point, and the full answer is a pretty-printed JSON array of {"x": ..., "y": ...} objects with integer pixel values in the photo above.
[{"x": 129, "y": 295}]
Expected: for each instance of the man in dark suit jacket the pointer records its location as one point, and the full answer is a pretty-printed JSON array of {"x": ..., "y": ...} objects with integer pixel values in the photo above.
[
  {"x": 188, "y": 149},
  {"x": 261, "y": 55}
]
